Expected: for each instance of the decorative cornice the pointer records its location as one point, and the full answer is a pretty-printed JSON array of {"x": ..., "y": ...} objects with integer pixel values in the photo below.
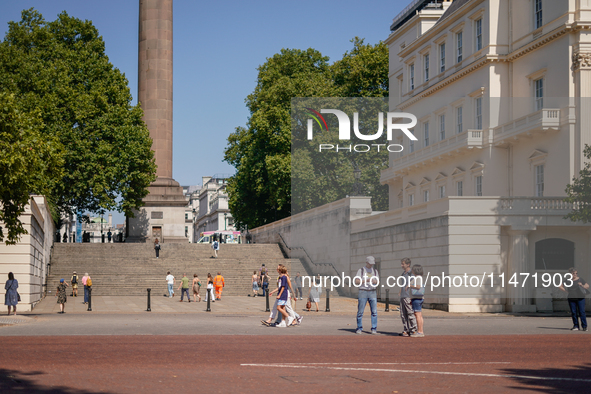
[
  {"x": 476, "y": 64},
  {"x": 581, "y": 60}
]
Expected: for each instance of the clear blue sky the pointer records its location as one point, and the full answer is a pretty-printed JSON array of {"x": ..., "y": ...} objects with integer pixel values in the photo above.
[{"x": 218, "y": 46}]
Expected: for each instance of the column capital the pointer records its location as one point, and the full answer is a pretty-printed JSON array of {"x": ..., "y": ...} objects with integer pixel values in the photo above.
[{"x": 581, "y": 60}]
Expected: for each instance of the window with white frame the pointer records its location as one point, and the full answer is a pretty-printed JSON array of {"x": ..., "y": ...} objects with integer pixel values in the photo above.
[
  {"x": 538, "y": 14},
  {"x": 478, "y": 34},
  {"x": 441, "y": 127},
  {"x": 539, "y": 87},
  {"x": 478, "y": 190},
  {"x": 411, "y": 200},
  {"x": 426, "y": 60},
  {"x": 442, "y": 191},
  {"x": 539, "y": 172},
  {"x": 412, "y": 142},
  {"x": 426, "y": 130},
  {"x": 459, "y": 46},
  {"x": 460, "y": 188},
  {"x": 442, "y": 57},
  {"x": 411, "y": 71},
  {"x": 425, "y": 195},
  {"x": 478, "y": 113},
  {"x": 459, "y": 123}
]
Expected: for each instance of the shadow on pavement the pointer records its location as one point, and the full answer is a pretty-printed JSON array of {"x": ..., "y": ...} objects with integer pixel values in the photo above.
[
  {"x": 556, "y": 380},
  {"x": 12, "y": 381}
]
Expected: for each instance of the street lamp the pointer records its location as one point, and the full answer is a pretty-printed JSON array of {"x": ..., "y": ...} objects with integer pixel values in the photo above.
[
  {"x": 225, "y": 225},
  {"x": 357, "y": 174}
]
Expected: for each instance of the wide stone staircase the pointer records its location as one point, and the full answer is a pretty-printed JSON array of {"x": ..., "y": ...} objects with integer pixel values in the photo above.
[{"x": 122, "y": 269}]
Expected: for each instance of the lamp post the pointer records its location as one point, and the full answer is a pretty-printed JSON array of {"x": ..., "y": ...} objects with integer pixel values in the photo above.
[
  {"x": 194, "y": 221},
  {"x": 357, "y": 174},
  {"x": 225, "y": 225}
]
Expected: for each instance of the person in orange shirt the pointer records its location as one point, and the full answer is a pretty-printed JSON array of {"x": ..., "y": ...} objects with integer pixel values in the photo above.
[{"x": 218, "y": 283}]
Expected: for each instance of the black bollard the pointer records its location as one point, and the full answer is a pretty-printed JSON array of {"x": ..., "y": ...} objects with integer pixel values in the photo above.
[
  {"x": 149, "y": 308},
  {"x": 89, "y": 300},
  {"x": 267, "y": 300},
  {"x": 208, "y": 292},
  {"x": 327, "y": 301},
  {"x": 387, "y": 301}
]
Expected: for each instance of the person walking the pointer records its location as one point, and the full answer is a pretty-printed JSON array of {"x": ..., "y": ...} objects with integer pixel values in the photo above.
[
  {"x": 298, "y": 285},
  {"x": 576, "y": 294},
  {"x": 216, "y": 246},
  {"x": 184, "y": 285},
  {"x": 61, "y": 295},
  {"x": 74, "y": 282},
  {"x": 157, "y": 248},
  {"x": 255, "y": 284},
  {"x": 11, "y": 296},
  {"x": 84, "y": 280},
  {"x": 219, "y": 284},
  {"x": 417, "y": 294},
  {"x": 282, "y": 298},
  {"x": 170, "y": 281},
  {"x": 407, "y": 315},
  {"x": 209, "y": 291},
  {"x": 196, "y": 285},
  {"x": 367, "y": 279},
  {"x": 315, "y": 292}
]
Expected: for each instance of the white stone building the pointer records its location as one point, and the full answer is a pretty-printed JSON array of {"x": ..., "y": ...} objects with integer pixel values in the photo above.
[
  {"x": 191, "y": 211},
  {"x": 499, "y": 89},
  {"x": 29, "y": 259},
  {"x": 214, "y": 214}
]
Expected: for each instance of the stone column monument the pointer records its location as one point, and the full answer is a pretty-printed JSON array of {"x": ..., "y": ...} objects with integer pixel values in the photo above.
[{"x": 163, "y": 215}]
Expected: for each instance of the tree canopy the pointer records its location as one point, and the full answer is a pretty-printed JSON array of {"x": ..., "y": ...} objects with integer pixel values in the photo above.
[
  {"x": 579, "y": 192},
  {"x": 95, "y": 147},
  {"x": 261, "y": 190}
]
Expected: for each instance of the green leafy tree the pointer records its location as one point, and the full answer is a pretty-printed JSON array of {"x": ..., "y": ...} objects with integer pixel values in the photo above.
[
  {"x": 59, "y": 70},
  {"x": 260, "y": 192},
  {"x": 579, "y": 192},
  {"x": 29, "y": 164},
  {"x": 267, "y": 171}
]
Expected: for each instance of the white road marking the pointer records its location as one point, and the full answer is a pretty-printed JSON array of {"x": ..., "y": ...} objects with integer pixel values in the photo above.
[
  {"x": 487, "y": 375},
  {"x": 450, "y": 363}
]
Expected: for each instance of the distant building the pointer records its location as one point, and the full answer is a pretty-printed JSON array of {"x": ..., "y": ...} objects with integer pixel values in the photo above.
[
  {"x": 98, "y": 226},
  {"x": 213, "y": 212},
  {"x": 191, "y": 211}
]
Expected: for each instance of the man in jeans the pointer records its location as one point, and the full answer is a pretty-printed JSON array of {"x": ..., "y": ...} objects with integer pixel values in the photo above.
[
  {"x": 407, "y": 315},
  {"x": 367, "y": 279},
  {"x": 184, "y": 287}
]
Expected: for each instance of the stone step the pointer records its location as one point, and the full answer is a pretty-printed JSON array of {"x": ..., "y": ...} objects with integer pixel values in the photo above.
[{"x": 129, "y": 269}]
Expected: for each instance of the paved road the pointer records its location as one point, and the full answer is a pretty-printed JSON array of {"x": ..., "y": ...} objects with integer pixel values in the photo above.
[
  {"x": 328, "y": 364},
  {"x": 120, "y": 348}
]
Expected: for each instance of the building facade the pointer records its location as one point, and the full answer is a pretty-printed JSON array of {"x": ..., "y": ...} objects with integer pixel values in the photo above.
[
  {"x": 214, "y": 213},
  {"x": 192, "y": 195},
  {"x": 29, "y": 259},
  {"x": 499, "y": 89}
]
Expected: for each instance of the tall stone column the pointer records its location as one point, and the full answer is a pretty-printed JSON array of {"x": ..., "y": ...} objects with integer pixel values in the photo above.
[
  {"x": 155, "y": 78},
  {"x": 163, "y": 214}
]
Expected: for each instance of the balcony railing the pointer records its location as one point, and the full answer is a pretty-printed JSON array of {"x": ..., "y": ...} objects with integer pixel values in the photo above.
[
  {"x": 536, "y": 122},
  {"x": 468, "y": 139}
]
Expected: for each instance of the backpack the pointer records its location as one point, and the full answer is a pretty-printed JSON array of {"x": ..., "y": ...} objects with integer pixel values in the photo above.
[
  {"x": 75, "y": 279},
  {"x": 88, "y": 282}
]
